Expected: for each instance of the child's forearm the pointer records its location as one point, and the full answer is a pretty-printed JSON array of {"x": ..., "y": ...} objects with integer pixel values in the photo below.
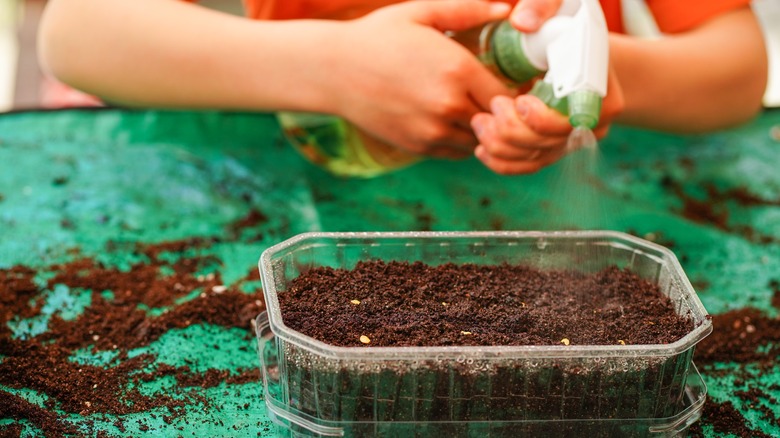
[
  {"x": 393, "y": 73},
  {"x": 710, "y": 78},
  {"x": 171, "y": 54}
]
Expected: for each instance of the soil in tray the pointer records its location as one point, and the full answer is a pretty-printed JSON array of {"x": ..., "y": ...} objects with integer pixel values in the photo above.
[
  {"x": 391, "y": 303},
  {"x": 413, "y": 304}
]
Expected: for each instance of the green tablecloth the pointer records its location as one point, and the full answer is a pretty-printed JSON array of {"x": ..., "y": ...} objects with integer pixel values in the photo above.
[{"x": 76, "y": 184}]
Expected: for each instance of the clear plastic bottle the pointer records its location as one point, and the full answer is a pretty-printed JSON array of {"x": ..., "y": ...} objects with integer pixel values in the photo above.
[{"x": 338, "y": 146}]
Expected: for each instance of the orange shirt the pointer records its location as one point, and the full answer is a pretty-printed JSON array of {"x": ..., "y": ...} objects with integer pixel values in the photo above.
[{"x": 672, "y": 16}]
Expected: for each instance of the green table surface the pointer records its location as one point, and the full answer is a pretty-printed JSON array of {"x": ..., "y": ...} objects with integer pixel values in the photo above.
[{"x": 92, "y": 183}]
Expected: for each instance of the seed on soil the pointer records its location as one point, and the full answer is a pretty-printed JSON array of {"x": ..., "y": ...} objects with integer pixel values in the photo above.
[
  {"x": 365, "y": 339},
  {"x": 565, "y": 341},
  {"x": 621, "y": 342},
  {"x": 465, "y": 332},
  {"x": 355, "y": 302}
]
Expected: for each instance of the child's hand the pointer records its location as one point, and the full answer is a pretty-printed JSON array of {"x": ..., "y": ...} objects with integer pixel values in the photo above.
[
  {"x": 523, "y": 135},
  {"x": 398, "y": 77}
]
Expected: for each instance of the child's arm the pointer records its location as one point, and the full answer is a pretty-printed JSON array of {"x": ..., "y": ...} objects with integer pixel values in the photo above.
[
  {"x": 710, "y": 78},
  {"x": 392, "y": 72}
]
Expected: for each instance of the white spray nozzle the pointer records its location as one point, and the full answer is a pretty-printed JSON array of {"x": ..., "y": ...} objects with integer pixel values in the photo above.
[{"x": 573, "y": 47}]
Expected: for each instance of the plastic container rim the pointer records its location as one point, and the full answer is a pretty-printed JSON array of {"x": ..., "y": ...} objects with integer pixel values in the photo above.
[{"x": 286, "y": 334}]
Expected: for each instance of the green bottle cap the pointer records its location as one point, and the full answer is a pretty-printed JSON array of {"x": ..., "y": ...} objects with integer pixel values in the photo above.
[
  {"x": 509, "y": 55},
  {"x": 584, "y": 109}
]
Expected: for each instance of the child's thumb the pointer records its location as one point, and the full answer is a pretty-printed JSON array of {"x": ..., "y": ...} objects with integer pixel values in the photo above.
[{"x": 456, "y": 15}]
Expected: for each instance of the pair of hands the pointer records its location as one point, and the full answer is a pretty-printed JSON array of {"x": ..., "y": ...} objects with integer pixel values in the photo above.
[{"x": 443, "y": 102}]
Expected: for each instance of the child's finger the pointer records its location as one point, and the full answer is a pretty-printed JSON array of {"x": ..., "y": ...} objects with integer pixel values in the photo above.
[
  {"x": 540, "y": 118},
  {"x": 529, "y": 15},
  {"x": 519, "y": 144},
  {"x": 514, "y": 130},
  {"x": 516, "y": 167},
  {"x": 454, "y": 15}
]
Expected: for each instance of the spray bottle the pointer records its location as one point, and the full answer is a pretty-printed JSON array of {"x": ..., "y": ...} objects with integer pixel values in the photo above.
[{"x": 571, "y": 47}]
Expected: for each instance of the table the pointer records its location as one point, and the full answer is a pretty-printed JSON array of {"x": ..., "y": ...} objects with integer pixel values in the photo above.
[{"x": 199, "y": 195}]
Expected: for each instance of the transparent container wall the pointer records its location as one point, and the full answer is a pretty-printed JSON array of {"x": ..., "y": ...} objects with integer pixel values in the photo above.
[
  {"x": 342, "y": 384},
  {"x": 435, "y": 390},
  {"x": 673, "y": 426}
]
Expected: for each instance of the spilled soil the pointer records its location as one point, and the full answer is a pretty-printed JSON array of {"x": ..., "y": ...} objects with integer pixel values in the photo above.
[
  {"x": 751, "y": 339},
  {"x": 120, "y": 321},
  {"x": 117, "y": 321}
]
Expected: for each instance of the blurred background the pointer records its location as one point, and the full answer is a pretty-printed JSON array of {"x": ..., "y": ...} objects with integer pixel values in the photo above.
[{"x": 23, "y": 84}]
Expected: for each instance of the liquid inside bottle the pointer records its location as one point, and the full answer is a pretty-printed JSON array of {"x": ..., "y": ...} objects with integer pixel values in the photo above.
[{"x": 339, "y": 147}]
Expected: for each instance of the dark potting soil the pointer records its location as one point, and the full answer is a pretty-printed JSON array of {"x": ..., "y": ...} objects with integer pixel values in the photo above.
[
  {"x": 115, "y": 323},
  {"x": 390, "y": 304},
  {"x": 743, "y": 335},
  {"x": 725, "y": 419},
  {"x": 413, "y": 304},
  {"x": 714, "y": 208},
  {"x": 749, "y": 338}
]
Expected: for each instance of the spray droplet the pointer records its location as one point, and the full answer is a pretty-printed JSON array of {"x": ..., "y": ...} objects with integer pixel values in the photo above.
[{"x": 581, "y": 137}]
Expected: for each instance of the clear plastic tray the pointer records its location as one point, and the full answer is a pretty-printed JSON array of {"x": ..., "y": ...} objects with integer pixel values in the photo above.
[{"x": 317, "y": 385}]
